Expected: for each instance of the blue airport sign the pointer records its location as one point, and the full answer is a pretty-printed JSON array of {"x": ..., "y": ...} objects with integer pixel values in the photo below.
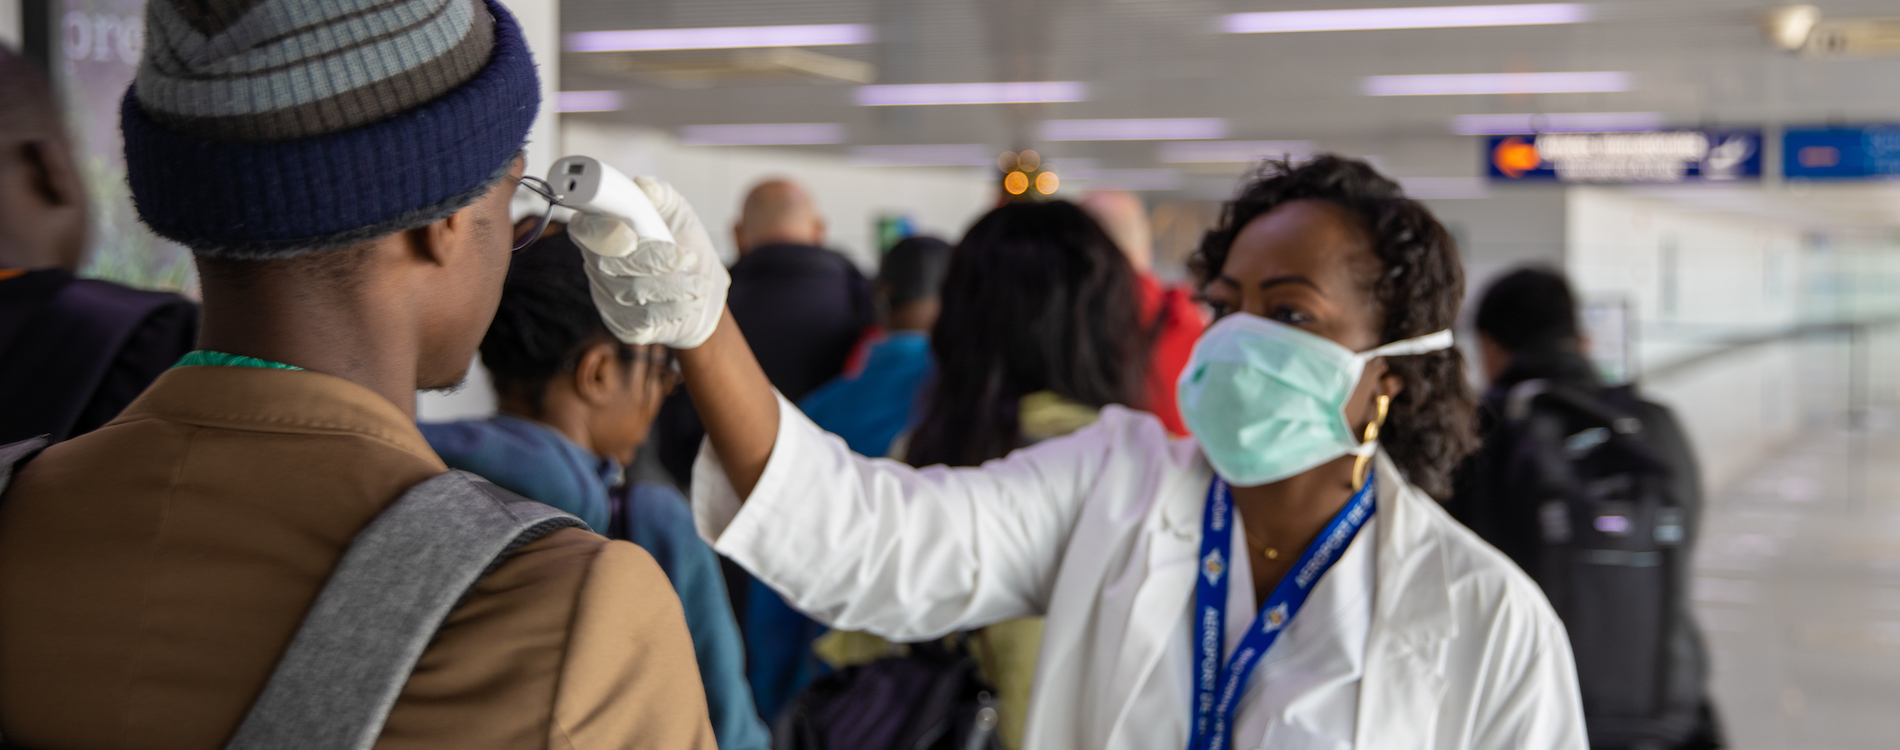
[
  {"x": 1841, "y": 153},
  {"x": 1655, "y": 156}
]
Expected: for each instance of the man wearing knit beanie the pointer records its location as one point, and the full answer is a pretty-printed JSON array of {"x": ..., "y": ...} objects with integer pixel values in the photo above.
[{"x": 342, "y": 171}]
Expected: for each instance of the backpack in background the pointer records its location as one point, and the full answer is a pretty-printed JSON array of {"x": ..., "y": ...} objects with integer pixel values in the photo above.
[
  {"x": 929, "y": 699},
  {"x": 1610, "y": 555}
]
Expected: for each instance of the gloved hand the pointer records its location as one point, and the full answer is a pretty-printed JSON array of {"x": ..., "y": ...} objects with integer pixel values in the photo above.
[{"x": 652, "y": 289}]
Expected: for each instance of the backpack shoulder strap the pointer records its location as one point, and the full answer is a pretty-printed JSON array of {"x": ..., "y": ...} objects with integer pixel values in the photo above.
[
  {"x": 15, "y": 455},
  {"x": 397, "y": 582}
]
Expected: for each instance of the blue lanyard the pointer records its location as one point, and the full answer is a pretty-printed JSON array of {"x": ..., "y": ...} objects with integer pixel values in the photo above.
[{"x": 1216, "y": 688}]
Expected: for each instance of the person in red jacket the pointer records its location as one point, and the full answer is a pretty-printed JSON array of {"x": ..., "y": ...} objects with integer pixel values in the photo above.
[{"x": 1169, "y": 311}]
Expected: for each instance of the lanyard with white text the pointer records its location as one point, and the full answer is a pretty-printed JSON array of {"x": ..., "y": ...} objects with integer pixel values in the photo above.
[{"x": 1216, "y": 688}]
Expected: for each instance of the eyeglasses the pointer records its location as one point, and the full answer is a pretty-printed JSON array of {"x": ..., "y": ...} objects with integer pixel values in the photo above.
[{"x": 532, "y": 205}]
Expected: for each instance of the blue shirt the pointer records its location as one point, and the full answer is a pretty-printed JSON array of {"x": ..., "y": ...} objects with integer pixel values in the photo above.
[
  {"x": 870, "y": 409},
  {"x": 535, "y": 461}
]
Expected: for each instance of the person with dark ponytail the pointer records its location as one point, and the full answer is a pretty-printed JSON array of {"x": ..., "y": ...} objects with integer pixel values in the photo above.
[
  {"x": 1040, "y": 329},
  {"x": 1283, "y": 578}
]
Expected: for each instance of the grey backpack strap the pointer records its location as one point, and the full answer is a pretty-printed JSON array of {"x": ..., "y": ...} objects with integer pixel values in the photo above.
[
  {"x": 395, "y": 585},
  {"x": 13, "y": 455}
]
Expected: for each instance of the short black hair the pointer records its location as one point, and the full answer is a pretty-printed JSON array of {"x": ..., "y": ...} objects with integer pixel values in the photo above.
[
  {"x": 1419, "y": 286},
  {"x": 914, "y": 269},
  {"x": 1529, "y": 308},
  {"x": 545, "y": 319}
]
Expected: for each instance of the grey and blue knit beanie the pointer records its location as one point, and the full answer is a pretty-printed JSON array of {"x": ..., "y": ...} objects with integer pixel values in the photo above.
[{"x": 272, "y": 128}]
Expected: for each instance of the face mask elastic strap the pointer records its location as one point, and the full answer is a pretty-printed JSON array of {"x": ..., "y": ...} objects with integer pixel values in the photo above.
[{"x": 1422, "y": 345}]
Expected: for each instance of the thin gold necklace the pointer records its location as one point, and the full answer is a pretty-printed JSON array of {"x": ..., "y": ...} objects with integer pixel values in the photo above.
[{"x": 1269, "y": 552}]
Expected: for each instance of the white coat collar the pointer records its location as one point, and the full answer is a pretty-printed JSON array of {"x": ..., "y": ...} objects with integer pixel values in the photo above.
[{"x": 1412, "y": 615}]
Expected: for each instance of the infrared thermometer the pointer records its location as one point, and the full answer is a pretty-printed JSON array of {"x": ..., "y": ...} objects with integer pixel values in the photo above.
[{"x": 585, "y": 185}]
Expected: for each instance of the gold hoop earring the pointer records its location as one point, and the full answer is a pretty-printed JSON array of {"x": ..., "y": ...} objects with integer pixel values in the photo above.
[{"x": 1363, "y": 465}]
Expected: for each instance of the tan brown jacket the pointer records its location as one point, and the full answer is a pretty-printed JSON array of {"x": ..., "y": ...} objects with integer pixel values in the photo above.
[{"x": 152, "y": 571}]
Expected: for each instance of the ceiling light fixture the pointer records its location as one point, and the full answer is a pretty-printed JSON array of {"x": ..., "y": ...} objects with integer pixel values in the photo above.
[
  {"x": 1495, "y": 83},
  {"x": 721, "y": 37},
  {"x": 1213, "y": 152},
  {"x": 587, "y": 101},
  {"x": 1556, "y": 122},
  {"x": 765, "y": 134},
  {"x": 1164, "y": 129},
  {"x": 925, "y": 94},
  {"x": 1439, "y": 17},
  {"x": 927, "y": 155}
]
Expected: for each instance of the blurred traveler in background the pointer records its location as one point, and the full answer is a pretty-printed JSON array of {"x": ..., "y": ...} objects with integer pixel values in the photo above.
[
  {"x": 575, "y": 405},
  {"x": 868, "y": 408},
  {"x": 351, "y": 230},
  {"x": 1040, "y": 330},
  {"x": 1596, "y": 493},
  {"x": 73, "y": 352},
  {"x": 1331, "y": 400},
  {"x": 1169, "y": 313}
]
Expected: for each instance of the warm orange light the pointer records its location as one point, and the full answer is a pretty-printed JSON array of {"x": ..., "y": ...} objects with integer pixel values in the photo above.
[
  {"x": 1029, "y": 161},
  {"x": 1047, "y": 182},
  {"x": 1016, "y": 183},
  {"x": 1006, "y": 161},
  {"x": 1514, "y": 157}
]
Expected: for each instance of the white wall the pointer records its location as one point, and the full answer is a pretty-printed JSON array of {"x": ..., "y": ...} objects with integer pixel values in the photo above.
[
  {"x": 10, "y": 24},
  {"x": 1695, "y": 280},
  {"x": 942, "y": 201},
  {"x": 541, "y": 23}
]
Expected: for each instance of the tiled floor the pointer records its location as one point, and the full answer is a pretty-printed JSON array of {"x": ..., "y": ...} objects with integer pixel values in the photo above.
[{"x": 1798, "y": 591}]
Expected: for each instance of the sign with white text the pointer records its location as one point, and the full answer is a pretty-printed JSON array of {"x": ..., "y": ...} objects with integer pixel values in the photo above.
[{"x": 1659, "y": 156}]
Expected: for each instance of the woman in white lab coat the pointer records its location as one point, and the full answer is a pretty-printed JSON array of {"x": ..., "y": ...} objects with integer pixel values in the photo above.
[{"x": 1386, "y": 624}]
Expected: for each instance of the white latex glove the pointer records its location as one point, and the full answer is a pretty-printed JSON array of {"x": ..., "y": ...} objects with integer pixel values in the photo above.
[{"x": 653, "y": 289}]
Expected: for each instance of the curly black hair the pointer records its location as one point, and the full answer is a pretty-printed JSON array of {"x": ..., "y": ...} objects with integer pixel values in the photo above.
[
  {"x": 1420, "y": 283},
  {"x": 545, "y": 319}
]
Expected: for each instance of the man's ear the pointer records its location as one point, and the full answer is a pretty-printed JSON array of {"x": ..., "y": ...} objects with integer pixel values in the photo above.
[
  {"x": 818, "y": 231},
  {"x": 595, "y": 378},
  {"x": 54, "y": 177},
  {"x": 738, "y": 236}
]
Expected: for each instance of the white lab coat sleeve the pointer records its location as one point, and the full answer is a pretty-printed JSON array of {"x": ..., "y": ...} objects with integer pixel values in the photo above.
[
  {"x": 1529, "y": 695},
  {"x": 909, "y": 554}
]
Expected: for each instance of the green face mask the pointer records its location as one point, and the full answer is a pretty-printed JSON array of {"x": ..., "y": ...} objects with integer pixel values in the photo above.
[{"x": 1267, "y": 400}]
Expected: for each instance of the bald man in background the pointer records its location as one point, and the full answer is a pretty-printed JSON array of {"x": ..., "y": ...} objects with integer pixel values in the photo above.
[
  {"x": 73, "y": 352},
  {"x": 1169, "y": 312}
]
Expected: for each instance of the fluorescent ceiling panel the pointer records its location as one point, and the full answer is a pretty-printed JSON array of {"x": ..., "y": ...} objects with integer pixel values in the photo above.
[
  {"x": 768, "y": 134},
  {"x": 1190, "y": 152},
  {"x": 587, "y": 101},
  {"x": 928, "y": 155},
  {"x": 1167, "y": 129},
  {"x": 1440, "y": 17},
  {"x": 720, "y": 37},
  {"x": 1562, "y": 122},
  {"x": 1495, "y": 83},
  {"x": 921, "y": 94}
]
